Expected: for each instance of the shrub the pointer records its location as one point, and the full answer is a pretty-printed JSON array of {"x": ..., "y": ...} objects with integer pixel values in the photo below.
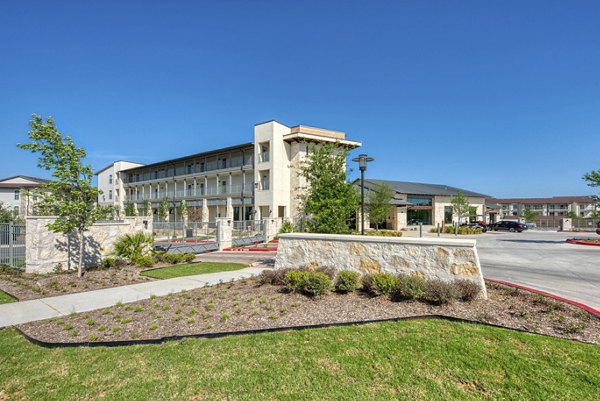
[
  {"x": 379, "y": 283},
  {"x": 144, "y": 261},
  {"x": 273, "y": 277},
  {"x": 383, "y": 233},
  {"x": 439, "y": 292},
  {"x": 329, "y": 271},
  {"x": 294, "y": 279},
  {"x": 188, "y": 257},
  {"x": 173, "y": 258},
  {"x": 108, "y": 262},
  {"x": 466, "y": 290},
  {"x": 347, "y": 281},
  {"x": 287, "y": 227},
  {"x": 132, "y": 246},
  {"x": 409, "y": 287},
  {"x": 316, "y": 284},
  {"x": 461, "y": 230}
]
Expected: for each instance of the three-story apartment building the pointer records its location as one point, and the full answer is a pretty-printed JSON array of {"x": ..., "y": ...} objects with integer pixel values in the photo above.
[
  {"x": 249, "y": 181},
  {"x": 556, "y": 206}
]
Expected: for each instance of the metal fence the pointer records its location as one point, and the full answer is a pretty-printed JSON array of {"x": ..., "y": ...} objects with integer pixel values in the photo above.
[
  {"x": 577, "y": 224},
  {"x": 248, "y": 232},
  {"x": 12, "y": 245}
]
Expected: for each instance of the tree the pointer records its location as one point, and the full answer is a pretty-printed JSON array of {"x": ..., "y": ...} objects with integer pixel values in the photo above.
[
  {"x": 460, "y": 205},
  {"x": 379, "y": 204},
  {"x": 164, "y": 209},
  {"x": 70, "y": 196},
  {"x": 329, "y": 202},
  {"x": 593, "y": 180},
  {"x": 7, "y": 215},
  {"x": 530, "y": 215}
]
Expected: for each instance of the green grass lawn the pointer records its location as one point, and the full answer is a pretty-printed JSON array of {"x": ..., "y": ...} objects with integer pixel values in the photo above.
[
  {"x": 5, "y": 298},
  {"x": 411, "y": 360},
  {"x": 192, "y": 269}
]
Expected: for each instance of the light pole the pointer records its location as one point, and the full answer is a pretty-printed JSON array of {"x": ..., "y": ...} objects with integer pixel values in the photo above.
[{"x": 362, "y": 160}]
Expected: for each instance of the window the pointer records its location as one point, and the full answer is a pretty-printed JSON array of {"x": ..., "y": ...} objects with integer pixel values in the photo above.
[
  {"x": 448, "y": 214},
  {"x": 189, "y": 190},
  {"x": 264, "y": 181},
  {"x": 202, "y": 167},
  {"x": 223, "y": 163},
  {"x": 110, "y": 194},
  {"x": 264, "y": 152},
  {"x": 110, "y": 179},
  {"x": 202, "y": 189},
  {"x": 189, "y": 168},
  {"x": 419, "y": 200},
  {"x": 223, "y": 187},
  {"x": 156, "y": 174},
  {"x": 17, "y": 194}
]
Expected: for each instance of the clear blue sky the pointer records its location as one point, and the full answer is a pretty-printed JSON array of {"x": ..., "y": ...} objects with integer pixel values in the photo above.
[{"x": 500, "y": 97}]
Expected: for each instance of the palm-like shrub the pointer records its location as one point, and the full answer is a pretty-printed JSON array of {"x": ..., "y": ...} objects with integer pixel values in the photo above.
[{"x": 133, "y": 246}]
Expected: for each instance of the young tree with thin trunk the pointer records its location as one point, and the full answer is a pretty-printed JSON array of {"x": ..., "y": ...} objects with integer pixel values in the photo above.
[
  {"x": 460, "y": 205},
  {"x": 329, "y": 201},
  {"x": 70, "y": 195},
  {"x": 379, "y": 204},
  {"x": 530, "y": 215}
]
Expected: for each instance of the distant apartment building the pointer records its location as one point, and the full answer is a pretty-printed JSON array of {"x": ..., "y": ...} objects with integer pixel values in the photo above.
[
  {"x": 581, "y": 206},
  {"x": 17, "y": 193},
  {"x": 250, "y": 181}
]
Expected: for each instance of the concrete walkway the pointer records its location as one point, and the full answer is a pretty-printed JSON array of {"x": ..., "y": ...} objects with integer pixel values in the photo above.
[{"x": 47, "y": 308}]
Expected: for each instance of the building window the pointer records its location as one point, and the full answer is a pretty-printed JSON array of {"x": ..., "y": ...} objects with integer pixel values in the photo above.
[
  {"x": 202, "y": 189},
  {"x": 189, "y": 190},
  {"x": 223, "y": 163},
  {"x": 448, "y": 214},
  {"x": 414, "y": 217},
  {"x": 419, "y": 200},
  {"x": 264, "y": 152},
  {"x": 110, "y": 178},
  {"x": 223, "y": 187},
  {"x": 110, "y": 194},
  {"x": 189, "y": 168},
  {"x": 156, "y": 174},
  {"x": 202, "y": 167},
  {"x": 17, "y": 194},
  {"x": 264, "y": 181}
]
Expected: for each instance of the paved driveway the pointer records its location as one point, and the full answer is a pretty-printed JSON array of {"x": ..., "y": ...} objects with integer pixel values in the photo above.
[{"x": 543, "y": 260}]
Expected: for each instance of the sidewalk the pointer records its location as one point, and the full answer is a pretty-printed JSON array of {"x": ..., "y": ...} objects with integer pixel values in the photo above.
[{"x": 47, "y": 308}]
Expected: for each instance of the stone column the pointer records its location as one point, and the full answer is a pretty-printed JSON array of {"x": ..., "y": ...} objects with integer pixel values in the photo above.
[
  {"x": 224, "y": 233},
  {"x": 566, "y": 225},
  {"x": 271, "y": 227},
  {"x": 135, "y": 209},
  {"x": 229, "y": 212},
  {"x": 204, "y": 211}
]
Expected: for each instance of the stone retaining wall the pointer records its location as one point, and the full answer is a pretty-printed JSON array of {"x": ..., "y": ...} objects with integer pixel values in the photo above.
[
  {"x": 446, "y": 259},
  {"x": 47, "y": 251}
]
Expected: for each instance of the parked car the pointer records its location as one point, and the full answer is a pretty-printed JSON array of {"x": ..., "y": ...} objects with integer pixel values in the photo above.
[
  {"x": 598, "y": 228},
  {"x": 512, "y": 226},
  {"x": 477, "y": 224},
  {"x": 414, "y": 222}
]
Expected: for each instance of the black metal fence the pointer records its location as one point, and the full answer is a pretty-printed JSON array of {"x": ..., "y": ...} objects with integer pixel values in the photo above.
[{"x": 12, "y": 245}]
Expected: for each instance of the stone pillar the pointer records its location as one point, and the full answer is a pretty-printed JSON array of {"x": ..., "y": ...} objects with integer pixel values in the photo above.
[
  {"x": 566, "y": 225},
  {"x": 271, "y": 227},
  {"x": 229, "y": 212},
  {"x": 204, "y": 210},
  {"x": 224, "y": 233}
]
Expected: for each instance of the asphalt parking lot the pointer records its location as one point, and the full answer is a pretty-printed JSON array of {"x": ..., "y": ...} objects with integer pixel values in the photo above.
[{"x": 543, "y": 260}]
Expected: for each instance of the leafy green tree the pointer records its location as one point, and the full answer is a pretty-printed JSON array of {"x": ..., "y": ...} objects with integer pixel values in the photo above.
[
  {"x": 163, "y": 209},
  {"x": 329, "y": 202},
  {"x": 593, "y": 180},
  {"x": 70, "y": 195},
  {"x": 460, "y": 205},
  {"x": 573, "y": 215},
  {"x": 7, "y": 215},
  {"x": 530, "y": 215},
  {"x": 129, "y": 209},
  {"x": 379, "y": 204}
]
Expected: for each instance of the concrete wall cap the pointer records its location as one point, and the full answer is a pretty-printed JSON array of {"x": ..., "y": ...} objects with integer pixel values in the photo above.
[{"x": 427, "y": 241}]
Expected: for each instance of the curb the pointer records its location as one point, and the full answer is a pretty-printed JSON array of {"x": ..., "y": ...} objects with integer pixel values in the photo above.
[
  {"x": 582, "y": 242},
  {"x": 586, "y": 308}
]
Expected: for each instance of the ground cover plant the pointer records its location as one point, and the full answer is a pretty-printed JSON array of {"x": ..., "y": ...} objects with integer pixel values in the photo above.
[
  {"x": 192, "y": 269},
  {"x": 249, "y": 305},
  {"x": 409, "y": 360}
]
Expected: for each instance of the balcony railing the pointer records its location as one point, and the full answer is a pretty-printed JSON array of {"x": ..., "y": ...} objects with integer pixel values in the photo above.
[
  {"x": 195, "y": 169},
  {"x": 190, "y": 193}
]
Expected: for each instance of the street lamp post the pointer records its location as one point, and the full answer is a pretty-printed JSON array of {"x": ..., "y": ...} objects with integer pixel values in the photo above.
[{"x": 362, "y": 160}]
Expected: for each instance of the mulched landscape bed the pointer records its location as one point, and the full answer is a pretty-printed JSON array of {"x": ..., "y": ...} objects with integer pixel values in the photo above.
[
  {"x": 246, "y": 306},
  {"x": 25, "y": 286}
]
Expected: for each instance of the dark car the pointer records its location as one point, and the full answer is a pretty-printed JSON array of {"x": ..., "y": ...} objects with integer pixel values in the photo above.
[
  {"x": 477, "y": 224},
  {"x": 598, "y": 228},
  {"x": 512, "y": 226}
]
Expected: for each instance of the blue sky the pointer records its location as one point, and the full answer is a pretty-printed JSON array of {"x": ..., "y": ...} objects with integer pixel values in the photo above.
[{"x": 498, "y": 97}]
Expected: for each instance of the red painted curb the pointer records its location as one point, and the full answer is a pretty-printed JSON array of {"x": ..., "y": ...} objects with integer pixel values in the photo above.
[
  {"x": 569, "y": 301},
  {"x": 579, "y": 242}
]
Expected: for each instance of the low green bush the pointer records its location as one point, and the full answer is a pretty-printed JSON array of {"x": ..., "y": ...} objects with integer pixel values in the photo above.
[
  {"x": 272, "y": 276},
  {"x": 409, "y": 287},
  {"x": 287, "y": 227},
  {"x": 379, "y": 283},
  {"x": 108, "y": 262},
  {"x": 466, "y": 290},
  {"x": 439, "y": 292},
  {"x": 188, "y": 257},
  {"x": 132, "y": 246},
  {"x": 316, "y": 284},
  {"x": 310, "y": 283},
  {"x": 347, "y": 281},
  {"x": 173, "y": 258},
  {"x": 294, "y": 279},
  {"x": 383, "y": 233},
  {"x": 144, "y": 261},
  {"x": 461, "y": 230}
]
